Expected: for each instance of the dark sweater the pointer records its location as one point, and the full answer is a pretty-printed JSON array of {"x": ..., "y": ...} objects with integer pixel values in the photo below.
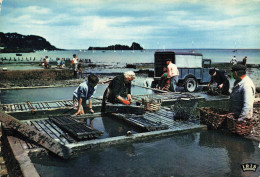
[
  {"x": 118, "y": 87},
  {"x": 220, "y": 78}
]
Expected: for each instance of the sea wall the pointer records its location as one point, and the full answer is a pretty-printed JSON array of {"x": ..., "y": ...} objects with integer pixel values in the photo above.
[{"x": 47, "y": 74}]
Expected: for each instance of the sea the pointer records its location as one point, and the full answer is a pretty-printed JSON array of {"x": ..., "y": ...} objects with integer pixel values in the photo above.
[{"x": 121, "y": 58}]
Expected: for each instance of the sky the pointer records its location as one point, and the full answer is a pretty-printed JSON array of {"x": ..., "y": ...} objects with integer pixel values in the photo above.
[{"x": 154, "y": 24}]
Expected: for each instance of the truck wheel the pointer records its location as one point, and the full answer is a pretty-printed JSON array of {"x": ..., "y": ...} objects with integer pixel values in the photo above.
[{"x": 190, "y": 84}]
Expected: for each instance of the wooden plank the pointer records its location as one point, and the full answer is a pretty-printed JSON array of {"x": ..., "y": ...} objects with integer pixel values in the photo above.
[
  {"x": 43, "y": 106},
  {"x": 30, "y": 106},
  {"x": 26, "y": 107},
  {"x": 47, "y": 105},
  {"x": 59, "y": 104},
  {"x": 39, "y": 105},
  {"x": 34, "y": 135}
]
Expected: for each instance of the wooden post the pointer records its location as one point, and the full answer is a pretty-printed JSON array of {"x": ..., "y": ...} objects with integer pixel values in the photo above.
[{"x": 32, "y": 134}]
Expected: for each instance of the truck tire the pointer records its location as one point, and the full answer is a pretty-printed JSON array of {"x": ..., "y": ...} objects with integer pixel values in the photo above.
[{"x": 190, "y": 84}]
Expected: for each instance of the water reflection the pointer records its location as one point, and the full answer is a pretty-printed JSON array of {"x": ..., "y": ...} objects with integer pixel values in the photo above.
[
  {"x": 206, "y": 153},
  {"x": 116, "y": 128},
  {"x": 239, "y": 150}
]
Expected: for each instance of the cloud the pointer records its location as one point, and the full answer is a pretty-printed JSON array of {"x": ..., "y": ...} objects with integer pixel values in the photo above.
[
  {"x": 38, "y": 10},
  {"x": 107, "y": 21}
]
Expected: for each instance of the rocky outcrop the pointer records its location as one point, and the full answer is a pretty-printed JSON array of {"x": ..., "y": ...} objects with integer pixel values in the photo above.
[
  {"x": 134, "y": 46},
  {"x": 17, "y": 43}
]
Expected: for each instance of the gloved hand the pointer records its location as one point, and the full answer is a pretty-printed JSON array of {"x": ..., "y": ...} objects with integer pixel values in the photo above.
[{"x": 126, "y": 102}]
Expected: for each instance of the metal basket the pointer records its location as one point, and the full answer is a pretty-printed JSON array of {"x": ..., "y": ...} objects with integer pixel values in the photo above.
[{"x": 184, "y": 109}]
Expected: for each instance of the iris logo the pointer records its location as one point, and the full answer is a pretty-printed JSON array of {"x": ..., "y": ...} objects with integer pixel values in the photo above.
[{"x": 249, "y": 167}]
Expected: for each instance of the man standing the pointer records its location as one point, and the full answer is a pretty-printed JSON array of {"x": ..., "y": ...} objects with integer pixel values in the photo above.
[
  {"x": 119, "y": 90},
  {"x": 172, "y": 74},
  {"x": 233, "y": 60},
  {"x": 84, "y": 92},
  {"x": 244, "y": 60},
  {"x": 221, "y": 80},
  {"x": 243, "y": 94},
  {"x": 74, "y": 63},
  {"x": 47, "y": 61}
]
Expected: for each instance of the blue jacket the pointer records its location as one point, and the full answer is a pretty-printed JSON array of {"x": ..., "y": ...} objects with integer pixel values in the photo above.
[
  {"x": 242, "y": 98},
  {"x": 84, "y": 91}
]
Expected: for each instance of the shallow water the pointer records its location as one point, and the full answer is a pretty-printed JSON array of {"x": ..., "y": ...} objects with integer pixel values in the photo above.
[
  {"x": 109, "y": 126},
  {"x": 206, "y": 153},
  {"x": 52, "y": 94}
]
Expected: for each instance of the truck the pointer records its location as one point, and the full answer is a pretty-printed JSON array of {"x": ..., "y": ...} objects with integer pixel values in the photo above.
[{"x": 193, "y": 69}]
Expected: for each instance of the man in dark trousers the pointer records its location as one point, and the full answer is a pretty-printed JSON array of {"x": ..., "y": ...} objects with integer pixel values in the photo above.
[
  {"x": 221, "y": 80},
  {"x": 119, "y": 90}
]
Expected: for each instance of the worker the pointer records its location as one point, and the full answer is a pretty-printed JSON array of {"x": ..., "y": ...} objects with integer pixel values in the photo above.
[
  {"x": 163, "y": 79},
  {"x": 74, "y": 64},
  {"x": 172, "y": 74},
  {"x": 233, "y": 60},
  {"x": 243, "y": 94},
  {"x": 84, "y": 92},
  {"x": 244, "y": 60},
  {"x": 119, "y": 90},
  {"x": 221, "y": 80}
]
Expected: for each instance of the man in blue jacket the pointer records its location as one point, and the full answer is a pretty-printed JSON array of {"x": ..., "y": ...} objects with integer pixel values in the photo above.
[{"x": 84, "y": 92}]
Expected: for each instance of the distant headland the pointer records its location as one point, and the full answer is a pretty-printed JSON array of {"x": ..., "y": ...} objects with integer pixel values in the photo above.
[
  {"x": 134, "y": 46},
  {"x": 18, "y": 43}
]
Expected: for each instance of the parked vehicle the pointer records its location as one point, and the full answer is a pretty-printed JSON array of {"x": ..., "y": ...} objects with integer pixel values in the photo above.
[{"x": 193, "y": 69}]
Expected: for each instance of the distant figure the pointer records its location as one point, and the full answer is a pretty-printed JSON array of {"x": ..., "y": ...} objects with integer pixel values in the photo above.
[
  {"x": 74, "y": 63},
  {"x": 47, "y": 59},
  {"x": 233, "y": 60},
  {"x": 80, "y": 70},
  {"x": 84, "y": 92},
  {"x": 58, "y": 63},
  {"x": 45, "y": 64},
  {"x": 62, "y": 63},
  {"x": 221, "y": 80},
  {"x": 244, "y": 60},
  {"x": 173, "y": 75},
  {"x": 243, "y": 94}
]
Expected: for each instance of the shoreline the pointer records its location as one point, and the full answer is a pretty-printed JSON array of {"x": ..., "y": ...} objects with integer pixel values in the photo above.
[{"x": 51, "y": 78}]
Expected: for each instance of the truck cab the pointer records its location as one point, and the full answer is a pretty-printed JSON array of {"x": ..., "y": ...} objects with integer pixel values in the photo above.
[{"x": 193, "y": 69}]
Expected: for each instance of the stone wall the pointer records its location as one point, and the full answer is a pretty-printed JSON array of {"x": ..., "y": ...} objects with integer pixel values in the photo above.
[{"x": 47, "y": 74}]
